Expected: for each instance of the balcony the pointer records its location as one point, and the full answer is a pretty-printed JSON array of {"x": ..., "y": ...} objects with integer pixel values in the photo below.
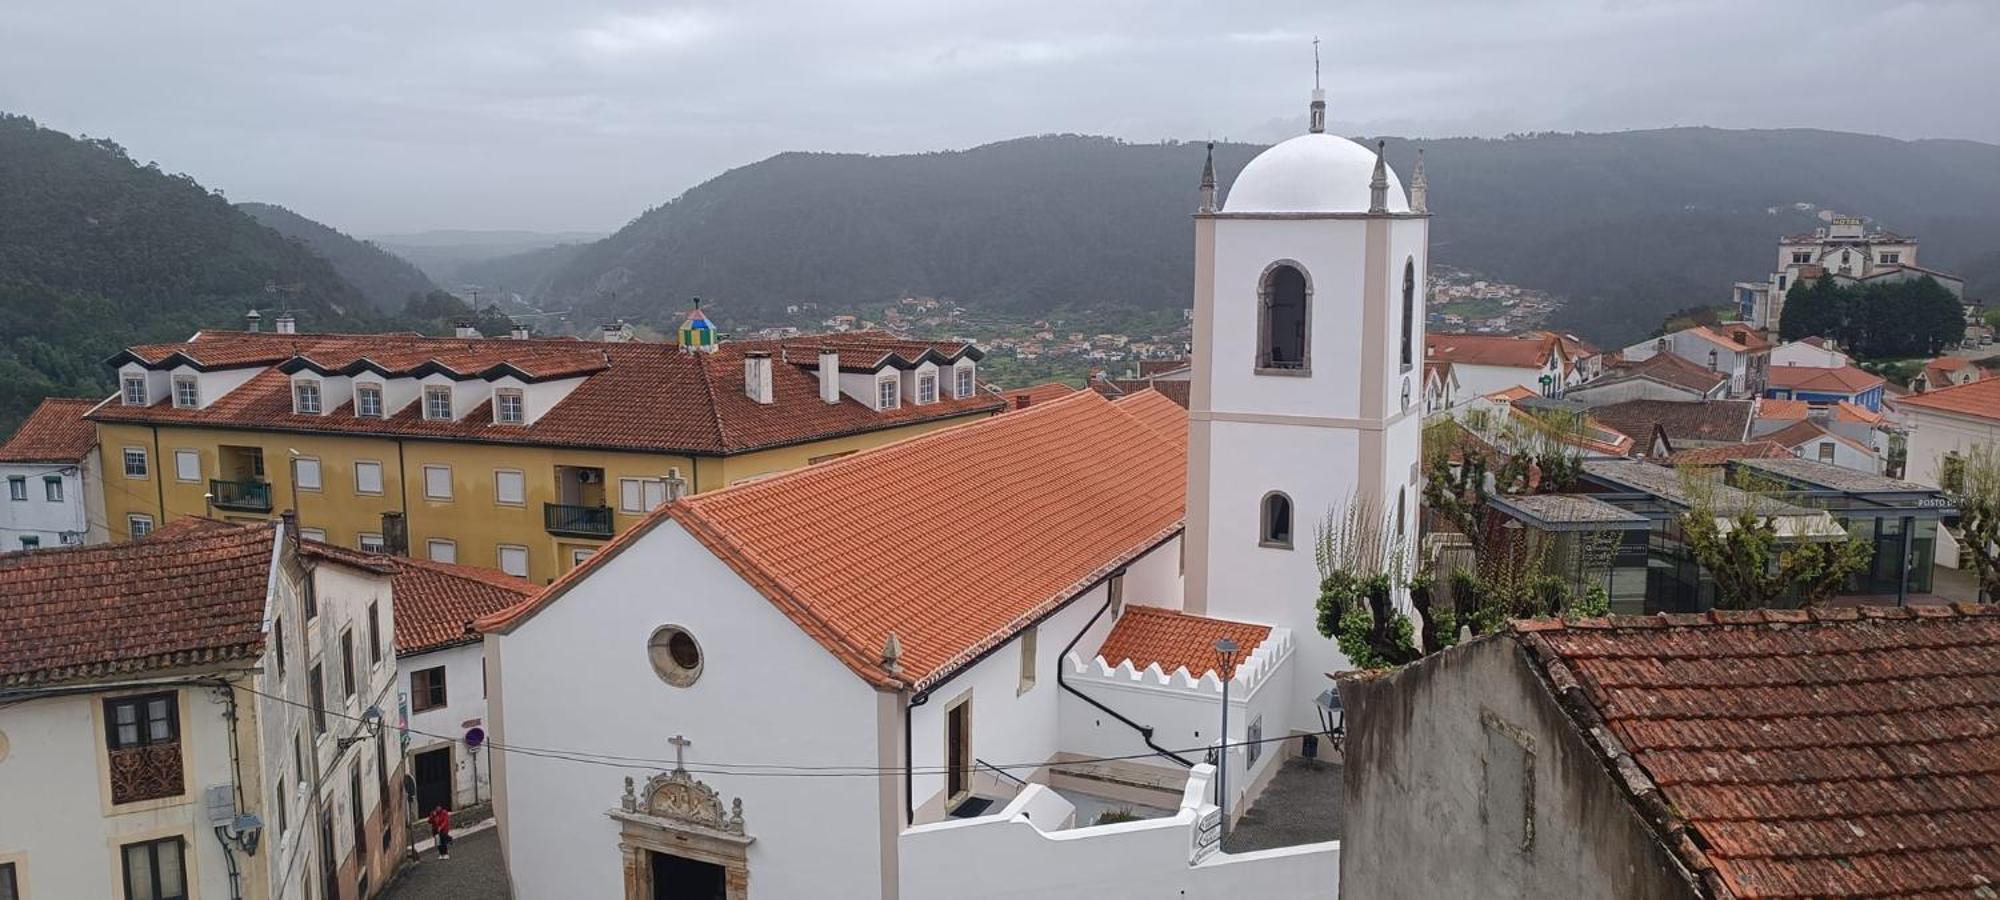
[
  {"x": 248, "y": 494},
  {"x": 577, "y": 521},
  {"x": 146, "y": 772}
]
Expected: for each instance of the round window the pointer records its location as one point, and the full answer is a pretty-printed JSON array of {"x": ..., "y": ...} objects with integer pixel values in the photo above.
[{"x": 675, "y": 655}]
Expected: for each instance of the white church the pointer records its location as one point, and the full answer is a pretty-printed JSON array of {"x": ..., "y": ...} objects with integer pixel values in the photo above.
[{"x": 982, "y": 662}]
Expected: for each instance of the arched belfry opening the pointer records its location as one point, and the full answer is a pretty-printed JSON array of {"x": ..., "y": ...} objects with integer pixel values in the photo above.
[
  {"x": 1409, "y": 312},
  {"x": 1284, "y": 318}
]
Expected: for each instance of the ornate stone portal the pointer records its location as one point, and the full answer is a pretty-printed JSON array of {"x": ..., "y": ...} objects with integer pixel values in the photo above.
[{"x": 677, "y": 815}]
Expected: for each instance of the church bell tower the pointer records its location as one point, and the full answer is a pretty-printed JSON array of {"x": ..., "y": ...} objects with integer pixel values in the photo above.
[{"x": 1308, "y": 380}]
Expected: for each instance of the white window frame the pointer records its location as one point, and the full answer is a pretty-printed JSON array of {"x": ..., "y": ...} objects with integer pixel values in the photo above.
[
  {"x": 520, "y": 406},
  {"x": 313, "y": 534},
  {"x": 361, "y": 409},
  {"x": 359, "y": 465},
  {"x": 128, "y": 396},
  {"x": 429, "y": 493},
  {"x": 964, "y": 382},
  {"x": 193, "y": 386},
  {"x": 301, "y": 466},
  {"x": 450, "y": 548},
  {"x": 369, "y": 543},
  {"x": 52, "y": 488},
  {"x": 145, "y": 463},
  {"x": 434, "y": 392},
  {"x": 187, "y": 465},
  {"x": 888, "y": 393},
  {"x": 500, "y": 495},
  {"x": 301, "y": 389},
  {"x": 927, "y": 388},
  {"x": 639, "y": 496},
  {"x": 500, "y": 558},
  {"x": 17, "y": 488},
  {"x": 138, "y": 525}
]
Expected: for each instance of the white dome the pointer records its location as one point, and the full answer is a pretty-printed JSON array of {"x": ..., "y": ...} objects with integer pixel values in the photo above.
[{"x": 1311, "y": 173}]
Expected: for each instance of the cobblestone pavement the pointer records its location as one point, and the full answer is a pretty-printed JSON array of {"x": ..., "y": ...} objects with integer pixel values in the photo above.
[
  {"x": 1302, "y": 805},
  {"x": 474, "y": 872}
]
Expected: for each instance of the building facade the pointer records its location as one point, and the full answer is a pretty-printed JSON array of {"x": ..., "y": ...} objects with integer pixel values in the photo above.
[
  {"x": 55, "y": 485},
  {"x": 518, "y": 455},
  {"x": 220, "y": 733},
  {"x": 1845, "y": 248}
]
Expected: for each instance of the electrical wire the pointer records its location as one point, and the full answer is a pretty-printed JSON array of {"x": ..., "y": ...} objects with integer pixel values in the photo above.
[{"x": 762, "y": 770}]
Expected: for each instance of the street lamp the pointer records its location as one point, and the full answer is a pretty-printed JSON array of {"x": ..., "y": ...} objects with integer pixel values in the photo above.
[{"x": 1225, "y": 652}]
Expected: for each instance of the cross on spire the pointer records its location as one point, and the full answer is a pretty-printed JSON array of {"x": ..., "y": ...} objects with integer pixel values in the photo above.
[
  {"x": 1315, "y": 62},
  {"x": 1318, "y": 119},
  {"x": 680, "y": 746}
]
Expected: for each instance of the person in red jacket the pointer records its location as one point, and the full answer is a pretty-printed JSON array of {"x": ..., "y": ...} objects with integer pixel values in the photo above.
[{"x": 440, "y": 820}]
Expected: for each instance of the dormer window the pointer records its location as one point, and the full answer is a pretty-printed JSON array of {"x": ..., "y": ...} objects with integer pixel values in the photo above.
[
  {"x": 187, "y": 392},
  {"x": 964, "y": 382},
  {"x": 437, "y": 402},
  {"x": 305, "y": 398},
  {"x": 508, "y": 407},
  {"x": 927, "y": 388},
  {"x": 135, "y": 390},
  {"x": 368, "y": 401},
  {"x": 888, "y": 393}
]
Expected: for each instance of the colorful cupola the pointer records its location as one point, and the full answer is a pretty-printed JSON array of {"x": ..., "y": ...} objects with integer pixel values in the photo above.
[{"x": 696, "y": 332}]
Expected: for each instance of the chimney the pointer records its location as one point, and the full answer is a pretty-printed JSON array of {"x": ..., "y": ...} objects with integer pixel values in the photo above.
[
  {"x": 395, "y": 534},
  {"x": 464, "y": 328},
  {"x": 286, "y": 324},
  {"x": 1022, "y": 400},
  {"x": 757, "y": 375},
  {"x": 520, "y": 333},
  {"x": 829, "y": 375},
  {"x": 253, "y": 321}
]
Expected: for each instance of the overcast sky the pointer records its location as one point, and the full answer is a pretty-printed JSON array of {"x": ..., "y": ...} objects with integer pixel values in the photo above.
[{"x": 578, "y": 114}]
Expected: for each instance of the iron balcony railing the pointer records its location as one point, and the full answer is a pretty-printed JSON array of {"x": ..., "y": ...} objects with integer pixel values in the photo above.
[
  {"x": 249, "y": 494},
  {"x": 586, "y": 521}
]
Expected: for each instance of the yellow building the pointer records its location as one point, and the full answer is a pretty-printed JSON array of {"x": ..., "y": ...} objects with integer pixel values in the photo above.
[{"x": 517, "y": 454}]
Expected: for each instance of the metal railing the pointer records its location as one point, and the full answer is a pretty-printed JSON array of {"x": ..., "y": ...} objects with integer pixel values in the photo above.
[
  {"x": 248, "y": 494},
  {"x": 1003, "y": 773},
  {"x": 588, "y": 521}
]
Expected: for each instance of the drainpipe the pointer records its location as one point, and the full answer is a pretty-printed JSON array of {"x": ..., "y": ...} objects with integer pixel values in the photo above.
[{"x": 1145, "y": 731}]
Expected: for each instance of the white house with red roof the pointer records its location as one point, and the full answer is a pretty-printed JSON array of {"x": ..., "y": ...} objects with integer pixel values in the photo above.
[
  {"x": 1735, "y": 350},
  {"x": 55, "y": 484},
  {"x": 987, "y": 661},
  {"x": 1944, "y": 427}
]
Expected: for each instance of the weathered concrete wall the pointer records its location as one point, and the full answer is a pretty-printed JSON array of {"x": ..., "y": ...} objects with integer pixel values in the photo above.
[{"x": 1432, "y": 812}]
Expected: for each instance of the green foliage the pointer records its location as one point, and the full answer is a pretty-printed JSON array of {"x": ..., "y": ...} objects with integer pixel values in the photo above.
[
  {"x": 1754, "y": 569},
  {"x": 1917, "y": 318},
  {"x": 1973, "y": 483},
  {"x": 383, "y": 277}
]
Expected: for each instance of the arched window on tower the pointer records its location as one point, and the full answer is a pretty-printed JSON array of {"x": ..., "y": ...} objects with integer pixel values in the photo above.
[
  {"x": 1284, "y": 318},
  {"x": 1275, "y": 521},
  {"x": 1409, "y": 311}
]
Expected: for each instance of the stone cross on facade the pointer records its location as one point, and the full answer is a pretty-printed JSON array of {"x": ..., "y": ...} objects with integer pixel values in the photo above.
[{"x": 680, "y": 746}]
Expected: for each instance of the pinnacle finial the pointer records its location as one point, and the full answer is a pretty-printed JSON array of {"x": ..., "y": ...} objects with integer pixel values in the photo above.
[
  {"x": 1208, "y": 181},
  {"x": 1378, "y": 186},
  {"x": 892, "y": 654},
  {"x": 1318, "y": 118},
  {"x": 1419, "y": 188}
]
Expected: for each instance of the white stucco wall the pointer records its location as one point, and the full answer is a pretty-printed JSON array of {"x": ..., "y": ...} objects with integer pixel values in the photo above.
[
  {"x": 465, "y": 707},
  {"x": 37, "y": 517},
  {"x": 1800, "y": 353},
  {"x": 1933, "y": 434},
  {"x": 577, "y": 675}
]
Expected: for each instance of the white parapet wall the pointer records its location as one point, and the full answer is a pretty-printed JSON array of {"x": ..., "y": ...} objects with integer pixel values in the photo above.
[
  {"x": 1185, "y": 712},
  {"x": 1026, "y": 850}
]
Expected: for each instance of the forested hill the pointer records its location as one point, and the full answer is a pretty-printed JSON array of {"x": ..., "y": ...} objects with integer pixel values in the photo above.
[
  {"x": 98, "y": 251},
  {"x": 1628, "y": 225},
  {"x": 387, "y": 280}
]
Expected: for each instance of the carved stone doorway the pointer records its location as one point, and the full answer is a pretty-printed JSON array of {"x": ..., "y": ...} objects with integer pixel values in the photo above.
[{"x": 680, "y": 843}]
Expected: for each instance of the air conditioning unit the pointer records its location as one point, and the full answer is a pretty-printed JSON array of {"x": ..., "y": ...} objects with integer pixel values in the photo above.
[{"x": 589, "y": 476}]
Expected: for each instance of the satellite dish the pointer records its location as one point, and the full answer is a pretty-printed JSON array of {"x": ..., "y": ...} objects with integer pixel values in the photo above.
[{"x": 474, "y": 737}]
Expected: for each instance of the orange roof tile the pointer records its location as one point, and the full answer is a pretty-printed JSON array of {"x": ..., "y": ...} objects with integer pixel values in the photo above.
[
  {"x": 1039, "y": 505},
  {"x": 1529, "y": 350},
  {"x": 1022, "y": 398},
  {"x": 1159, "y": 412},
  {"x": 436, "y": 603},
  {"x": 1824, "y": 379},
  {"x": 633, "y": 396},
  {"x": 1848, "y": 412},
  {"x": 1806, "y": 430},
  {"x": 1715, "y": 456},
  {"x": 1147, "y": 635},
  {"x": 1979, "y": 399},
  {"x": 55, "y": 432},
  {"x": 188, "y": 595},
  {"x": 1784, "y": 410},
  {"x": 1796, "y": 753}
]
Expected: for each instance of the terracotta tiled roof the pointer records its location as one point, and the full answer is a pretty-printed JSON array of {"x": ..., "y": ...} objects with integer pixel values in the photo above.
[
  {"x": 1822, "y": 379},
  {"x": 436, "y": 602},
  {"x": 1147, "y": 635},
  {"x": 1715, "y": 456},
  {"x": 1807, "y": 430},
  {"x": 1175, "y": 389},
  {"x": 1670, "y": 369},
  {"x": 1717, "y": 421},
  {"x": 1849, "y": 412},
  {"x": 1022, "y": 511},
  {"x": 1509, "y": 395},
  {"x": 1529, "y": 350},
  {"x": 1832, "y": 753},
  {"x": 1979, "y": 399},
  {"x": 55, "y": 432},
  {"x": 186, "y": 596},
  {"x": 1782, "y": 410},
  {"x": 634, "y": 395},
  {"x": 1149, "y": 368},
  {"x": 1022, "y": 398},
  {"x": 1159, "y": 412},
  {"x": 1735, "y": 338}
]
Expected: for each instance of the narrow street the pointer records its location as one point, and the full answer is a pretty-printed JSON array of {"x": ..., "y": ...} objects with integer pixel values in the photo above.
[{"x": 474, "y": 872}]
